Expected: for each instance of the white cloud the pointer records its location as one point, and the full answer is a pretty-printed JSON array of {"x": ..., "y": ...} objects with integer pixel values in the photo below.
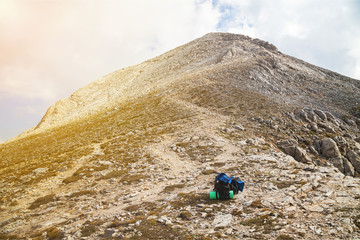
[
  {"x": 61, "y": 46},
  {"x": 321, "y": 32},
  {"x": 51, "y": 48}
]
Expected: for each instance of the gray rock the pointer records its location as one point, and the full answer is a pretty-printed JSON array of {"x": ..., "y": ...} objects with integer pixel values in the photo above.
[
  {"x": 164, "y": 219},
  {"x": 350, "y": 122},
  {"x": 327, "y": 127},
  {"x": 40, "y": 170},
  {"x": 341, "y": 143},
  {"x": 348, "y": 135},
  {"x": 329, "y": 116},
  {"x": 354, "y": 159},
  {"x": 313, "y": 127},
  {"x": 329, "y": 149},
  {"x": 302, "y": 115},
  {"x": 109, "y": 232},
  {"x": 348, "y": 168},
  {"x": 290, "y": 148},
  {"x": 239, "y": 127},
  {"x": 338, "y": 163},
  {"x": 312, "y": 116},
  {"x": 313, "y": 150},
  {"x": 222, "y": 220},
  {"x": 321, "y": 114}
]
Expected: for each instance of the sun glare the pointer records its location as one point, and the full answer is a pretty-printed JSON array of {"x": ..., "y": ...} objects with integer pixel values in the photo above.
[{"x": 7, "y": 8}]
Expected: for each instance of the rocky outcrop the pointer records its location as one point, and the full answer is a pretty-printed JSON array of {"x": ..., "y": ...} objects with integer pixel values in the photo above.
[
  {"x": 354, "y": 158},
  {"x": 329, "y": 148},
  {"x": 290, "y": 148},
  {"x": 341, "y": 150}
]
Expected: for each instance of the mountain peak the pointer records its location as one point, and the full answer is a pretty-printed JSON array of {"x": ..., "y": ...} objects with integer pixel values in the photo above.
[{"x": 243, "y": 61}]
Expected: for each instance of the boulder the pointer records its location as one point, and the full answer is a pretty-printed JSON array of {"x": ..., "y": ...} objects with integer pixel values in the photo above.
[
  {"x": 313, "y": 150},
  {"x": 313, "y": 127},
  {"x": 327, "y": 127},
  {"x": 290, "y": 148},
  {"x": 222, "y": 220},
  {"x": 338, "y": 163},
  {"x": 354, "y": 159},
  {"x": 341, "y": 143},
  {"x": 321, "y": 114},
  {"x": 312, "y": 116},
  {"x": 329, "y": 116},
  {"x": 303, "y": 116},
  {"x": 329, "y": 148},
  {"x": 352, "y": 123},
  {"x": 348, "y": 168}
]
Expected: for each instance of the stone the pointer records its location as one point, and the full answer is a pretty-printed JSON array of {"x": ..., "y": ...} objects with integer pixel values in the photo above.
[
  {"x": 349, "y": 169},
  {"x": 289, "y": 147},
  {"x": 228, "y": 231},
  {"x": 316, "y": 230},
  {"x": 321, "y": 114},
  {"x": 315, "y": 208},
  {"x": 222, "y": 220},
  {"x": 352, "y": 123},
  {"x": 354, "y": 159},
  {"x": 313, "y": 150},
  {"x": 164, "y": 219},
  {"x": 329, "y": 148},
  {"x": 329, "y": 116},
  {"x": 341, "y": 143},
  {"x": 239, "y": 127},
  {"x": 313, "y": 127},
  {"x": 40, "y": 170},
  {"x": 327, "y": 127},
  {"x": 338, "y": 163},
  {"x": 302, "y": 115},
  {"x": 312, "y": 116},
  {"x": 109, "y": 232}
]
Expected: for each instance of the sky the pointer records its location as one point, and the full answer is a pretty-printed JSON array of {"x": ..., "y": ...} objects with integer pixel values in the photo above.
[{"x": 51, "y": 48}]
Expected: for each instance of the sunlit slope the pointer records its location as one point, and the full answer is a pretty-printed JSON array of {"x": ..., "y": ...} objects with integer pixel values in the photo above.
[{"x": 122, "y": 132}]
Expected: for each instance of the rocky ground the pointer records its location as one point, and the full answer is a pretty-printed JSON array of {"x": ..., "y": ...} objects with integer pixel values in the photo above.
[{"x": 167, "y": 197}]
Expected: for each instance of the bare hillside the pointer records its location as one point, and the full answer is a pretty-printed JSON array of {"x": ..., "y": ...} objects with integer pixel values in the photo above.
[{"x": 134, "y": 154}]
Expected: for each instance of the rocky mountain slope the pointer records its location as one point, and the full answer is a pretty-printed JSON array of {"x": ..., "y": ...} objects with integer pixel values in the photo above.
[{"x": 133, "y": 155}]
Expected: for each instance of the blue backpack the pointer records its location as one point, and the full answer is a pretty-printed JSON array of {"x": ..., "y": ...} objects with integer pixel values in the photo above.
[{"x": 224, "y": 184}]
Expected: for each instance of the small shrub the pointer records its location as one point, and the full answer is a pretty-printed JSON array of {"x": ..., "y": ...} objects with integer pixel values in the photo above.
[
  {"x": 256, "y": 204},
  {"x": 133, "y": 178},
  {"x": 42, "y": 201},
  {"x": 71, "y": 179},
  {"x": 284, "y": 237},
  {"x": 185, "y": 215},
  {"x": 54, "y": 234},
  {"x": 113, "y": 174},
  {"x": 218, "y": 164},
  {"x": 356, "y": 220},
  {"x": 209, "y": 172},
  {"x": 171, "y": 188},
  {"x": 14, "y": 203},
  {"x": 236, "y": 212},
  {"x": 5, "y": 236},
  {"x": 81, "y": 193},
  {"x": 88, "y": 229}
]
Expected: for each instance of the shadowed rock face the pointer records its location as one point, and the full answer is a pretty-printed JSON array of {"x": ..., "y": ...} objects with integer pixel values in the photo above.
[{"x": 134, "y": 154}]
